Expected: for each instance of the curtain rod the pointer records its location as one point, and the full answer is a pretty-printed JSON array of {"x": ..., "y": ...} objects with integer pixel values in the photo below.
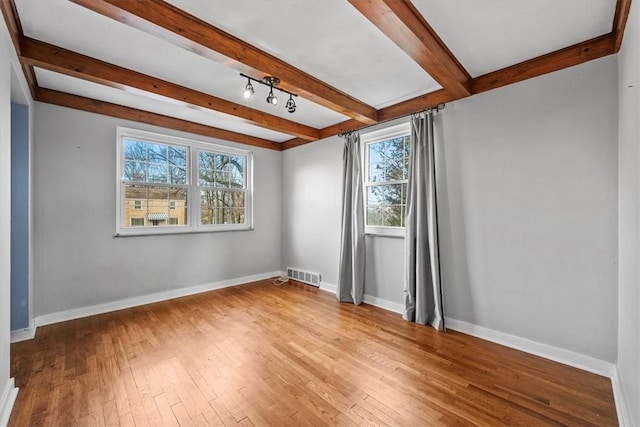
[{"x": 437, "y": 109}]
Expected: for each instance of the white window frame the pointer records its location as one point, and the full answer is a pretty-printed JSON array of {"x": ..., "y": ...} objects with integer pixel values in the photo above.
[
  {"x": 372, "y": 137},
  {"x": 191, "y": 186}
]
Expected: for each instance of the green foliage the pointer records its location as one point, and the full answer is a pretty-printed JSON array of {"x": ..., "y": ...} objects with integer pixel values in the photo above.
[{"x": 387, "y": 173}]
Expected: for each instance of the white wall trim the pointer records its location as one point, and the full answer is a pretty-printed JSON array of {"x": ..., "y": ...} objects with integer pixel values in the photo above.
[
  {"x": 328, "y": 287},
  {"x": 77, "y": 313},
  {"x": 625, "y": 418},
  {"x": 384, "y": 303},
  {"x": 368, "y": 299},
  {"x": 7, "y": 398},
  {"x": 23, "y": 334},
  {"x": 566, "y": 357}
]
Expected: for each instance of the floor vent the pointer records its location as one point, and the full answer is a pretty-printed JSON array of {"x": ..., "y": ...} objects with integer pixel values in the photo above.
[{"x": 304, "y": 276}]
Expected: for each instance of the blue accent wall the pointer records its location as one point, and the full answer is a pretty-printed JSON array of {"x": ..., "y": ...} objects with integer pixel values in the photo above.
[{"x": 19, "y": 216}]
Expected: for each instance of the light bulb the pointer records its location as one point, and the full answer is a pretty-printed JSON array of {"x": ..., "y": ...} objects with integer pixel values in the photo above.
[{"x": 248, "y": 91}]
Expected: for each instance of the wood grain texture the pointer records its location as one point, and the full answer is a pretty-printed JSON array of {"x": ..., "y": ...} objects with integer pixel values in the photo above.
[
  {"x": 620, "y": 21},
  {"x": 60, "y": 60},
  {"x": 554, "y": 61},
  {"x": 178, "y": 27},
  {"x": 289, "y": 355},
  {"x": 11, "y": 18},
  {"x": 76, "y": 102},
  {"x": 403, "y": 24}
]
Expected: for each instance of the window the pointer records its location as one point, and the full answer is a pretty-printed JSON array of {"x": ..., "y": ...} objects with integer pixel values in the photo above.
[
  {"x": 174, "y": 185},
  {"x": 386, "y": 169}
]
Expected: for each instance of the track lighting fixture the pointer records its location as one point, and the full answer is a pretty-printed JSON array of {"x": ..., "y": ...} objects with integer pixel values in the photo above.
[
  {"x": 248, "y": 90},
  {"x": 291, "y": 104},
  {"x": 272, "y": 82},
  {"x": 271, "y": 98}
]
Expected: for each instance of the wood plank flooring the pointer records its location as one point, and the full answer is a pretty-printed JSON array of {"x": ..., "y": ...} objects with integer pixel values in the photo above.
[{"x": 260, "y": 354}]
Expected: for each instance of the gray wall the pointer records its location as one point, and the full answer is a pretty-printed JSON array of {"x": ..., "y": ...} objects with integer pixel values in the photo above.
[
  {"x": 78, "y": 262},
  {"x": 629, "y": 216},
  {"x": 19, "y": 216},
  {"x": 528, "y": 215},
  {"x": 311, "y": 206}
]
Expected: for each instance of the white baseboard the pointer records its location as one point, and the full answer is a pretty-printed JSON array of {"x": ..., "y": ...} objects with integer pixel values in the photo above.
[
  {"x": 580, "y": 361},
  {"x": 328, "y": 287},
  {"x": 369, "y": 299},
  {"x": 384, "y": 303},
  {"x": 625, "y": 418},
  {"x": 7, "y": 398},
  {"x": 23, "y": 334},
  {"x": 76, "y": 313}
]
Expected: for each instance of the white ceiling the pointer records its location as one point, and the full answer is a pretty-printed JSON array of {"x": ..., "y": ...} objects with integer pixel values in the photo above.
[
  {"x": 328, "y": 39},
  {"x": 488, "y": 35}
]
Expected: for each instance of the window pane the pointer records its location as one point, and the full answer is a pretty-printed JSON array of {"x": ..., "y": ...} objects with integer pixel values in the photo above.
[
  {"x": 222, "y": 207},
  {"x": 376, "y": 172},
  {"x": 222, "y": 162},
  {"x": 390, "y": 194},
  {"x": 135, "y": 171},
  {"x": 375, "y": 216},
  {"x": 135, "y": 205},
  {"x": 237, "y": 172},
  {"x": 394, "y": 216},
  {"x": 157, "y": 153},
  {"x": 178, "y": 156},
  {"x": 177, "y": 175},
  {"x": 157, "y": 173},
  {"x": 159, "y": 200},
  {"x": 394, "y": 169},
  {"x": 135, "y": 150},
  {"x": 154, "y": 162}
]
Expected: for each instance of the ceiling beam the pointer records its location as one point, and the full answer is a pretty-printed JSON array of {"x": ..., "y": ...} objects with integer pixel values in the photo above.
[
  {"x": 402, "y": 109},
  {"x": 554, "y": 61},
  {"x": 12, "y": 20},
  {"x": 53, "y": 58},
  {"x": 405, "y": 26},
  {"x": 108, "y": 109},
  {"x": 176, "y": 26},
  {"x": 620, "y": 21}
]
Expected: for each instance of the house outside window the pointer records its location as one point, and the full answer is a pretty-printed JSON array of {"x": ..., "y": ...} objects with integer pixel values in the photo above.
[
  {"x": 174, "y": 185},
  {"x": 386, "y": 169}
]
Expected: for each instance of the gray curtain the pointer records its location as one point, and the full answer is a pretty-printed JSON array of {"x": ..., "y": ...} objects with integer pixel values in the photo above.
[
  {"x": 423, "y": 293},
  {"x": 352, "y": 244}
]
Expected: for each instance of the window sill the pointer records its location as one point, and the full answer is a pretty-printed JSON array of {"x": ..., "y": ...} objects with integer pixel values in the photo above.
[
  {"x": 170, "y": 233},
  {"x": 393, "y": 232}
]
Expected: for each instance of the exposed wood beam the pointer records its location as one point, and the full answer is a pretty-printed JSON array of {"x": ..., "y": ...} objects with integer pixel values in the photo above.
[
  {"x": 401, "y": 109},
  {"x": 620, "y": 21},
  {"x": 418, "y": 103},
  {"x": 12, "y": 20},
  {"x": 43, "y": 55},
  {"x": 554, "y": 61},
  {"x": 292, "y": 143},
  {"x": 346, "y": 126},
  {"x": 403, "y": 24},
  {"x": 186, "y": 31},
  {"x": 108, "y": 109}
]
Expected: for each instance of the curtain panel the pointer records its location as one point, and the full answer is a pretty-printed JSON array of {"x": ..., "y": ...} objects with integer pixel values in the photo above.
[
  {"x": 352, "y": 242},
  {"x": 422, "y": 287}
]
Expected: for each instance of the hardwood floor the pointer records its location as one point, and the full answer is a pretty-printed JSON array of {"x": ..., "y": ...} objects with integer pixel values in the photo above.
[{"x": 260, "y": 354}]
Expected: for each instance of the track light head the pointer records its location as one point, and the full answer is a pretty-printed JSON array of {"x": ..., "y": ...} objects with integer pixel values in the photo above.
[
  {"x": 248, "y": 90},
  {"x": 272, "y": 99},
  {"x": 291, "y": 104}
]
